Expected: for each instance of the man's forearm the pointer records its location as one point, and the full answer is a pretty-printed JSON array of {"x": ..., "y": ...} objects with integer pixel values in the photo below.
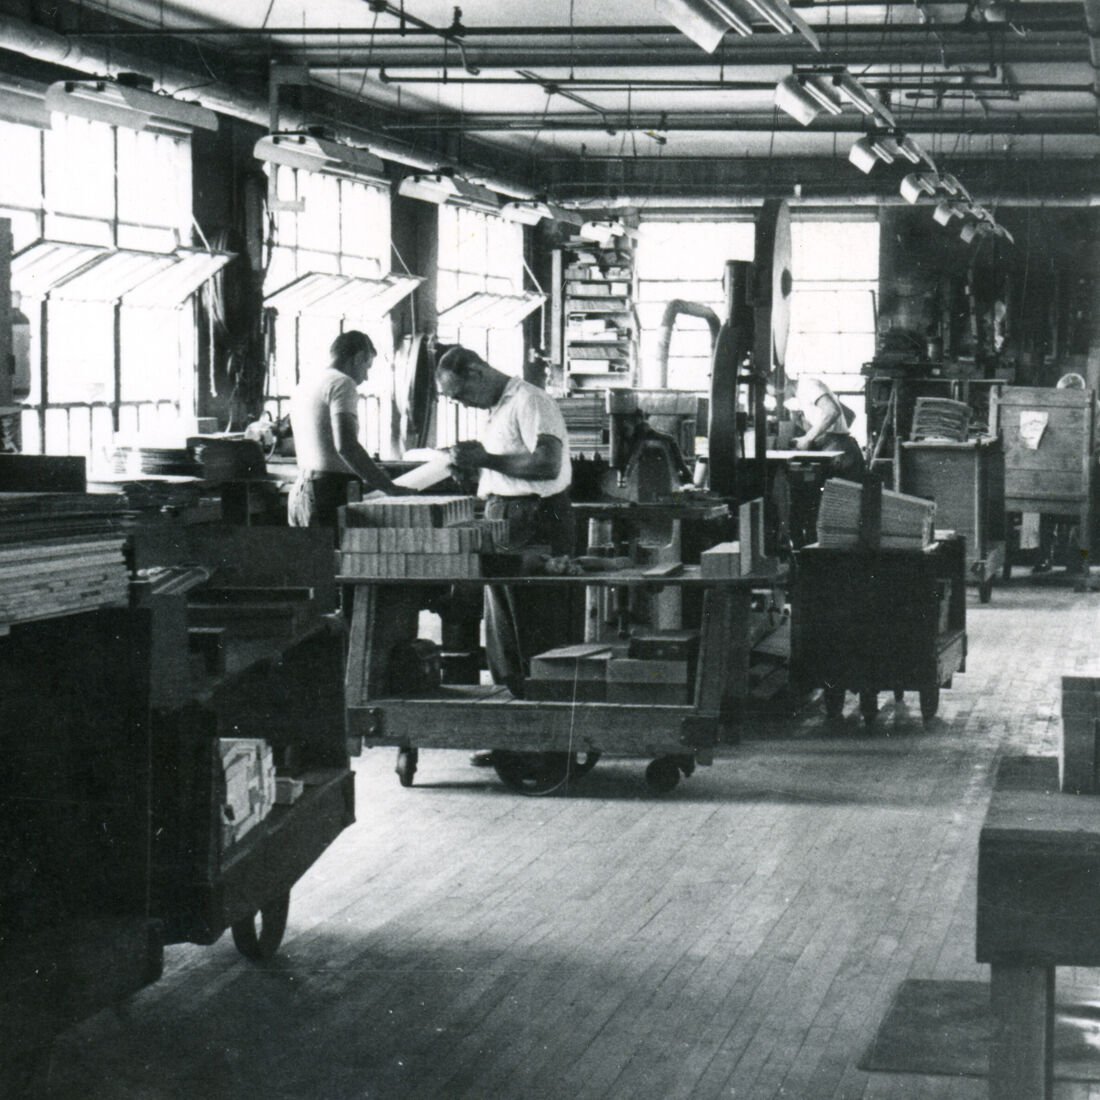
[
  {"x": 533, "y": 466},
  {"x": 366, "y": 469}
]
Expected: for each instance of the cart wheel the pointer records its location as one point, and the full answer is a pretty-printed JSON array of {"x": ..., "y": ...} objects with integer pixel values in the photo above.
[
  {"x": 985, "y": 591},
  {"x": 262, "y": 945},
  {"x": 686, "y": 764},
  {"x": 929, "y": 702},
  {"x": 406, "y": 766},
  {"x": 899, "y": 695},
  {"x": 834, "y": 702},
  {"x": 662, "y": 774},
  {"x": 540, "y": 772},
  {"x": 868, "y": 705}
]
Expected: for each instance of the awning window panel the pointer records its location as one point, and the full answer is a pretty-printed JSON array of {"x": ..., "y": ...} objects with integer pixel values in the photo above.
[
  {"x": 37, "y": 269},
  {"x": 172, "y": 287},
  {"x": 112, "y": 276},
  {"x": 23, "y": 103},
  {"x": 339, "y": 296},
  {"x": 487, "y": 310}
]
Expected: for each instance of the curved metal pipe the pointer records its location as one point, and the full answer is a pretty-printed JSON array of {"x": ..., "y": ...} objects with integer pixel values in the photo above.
[{"x": 668, "y": 321}]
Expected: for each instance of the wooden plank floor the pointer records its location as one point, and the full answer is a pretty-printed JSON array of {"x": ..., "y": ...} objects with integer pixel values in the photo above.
[{"x": 740, "y": 937}]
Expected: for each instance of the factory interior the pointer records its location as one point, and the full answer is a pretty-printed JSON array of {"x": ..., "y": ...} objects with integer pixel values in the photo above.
[{"x": 545, "y": 550}]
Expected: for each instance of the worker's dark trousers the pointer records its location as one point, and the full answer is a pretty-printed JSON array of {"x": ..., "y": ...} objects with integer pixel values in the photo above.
[
  {"x": 316, "y": 497},
  {"x": 522, "y": 622}
]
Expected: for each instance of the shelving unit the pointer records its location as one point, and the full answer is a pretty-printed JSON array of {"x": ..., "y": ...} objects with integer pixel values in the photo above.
[{"x": 595, "y": 324}]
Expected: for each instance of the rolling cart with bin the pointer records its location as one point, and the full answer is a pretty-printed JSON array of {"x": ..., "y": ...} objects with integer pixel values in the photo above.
[{"x": 879, "y": 620}]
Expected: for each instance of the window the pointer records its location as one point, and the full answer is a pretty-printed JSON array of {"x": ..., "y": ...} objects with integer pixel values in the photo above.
[
  {"x": 342, "y": 228},
  {"x": 834, "y": 266},
  {"x": 109, "y": 367},
  {"x": 685, "y": 260},
  {"x": 477, "y": 252}
]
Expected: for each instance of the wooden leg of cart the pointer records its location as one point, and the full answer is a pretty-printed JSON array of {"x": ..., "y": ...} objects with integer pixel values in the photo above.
[
  {"x": 722, "y": 675},
  {"x": 381, "y": 616}
]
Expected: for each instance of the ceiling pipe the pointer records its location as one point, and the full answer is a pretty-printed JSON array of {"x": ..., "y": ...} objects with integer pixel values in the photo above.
[
  {"x": 59, "y": 49},
  {"x": 810, "y": 197}
]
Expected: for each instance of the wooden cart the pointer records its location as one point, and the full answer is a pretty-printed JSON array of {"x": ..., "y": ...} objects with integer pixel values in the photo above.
[
  {"x": 966, "y": 480},
  {"x": 249, "y": 654},
  {"x": 883, "y": 620},
  {"x": 539, "y": 745}
]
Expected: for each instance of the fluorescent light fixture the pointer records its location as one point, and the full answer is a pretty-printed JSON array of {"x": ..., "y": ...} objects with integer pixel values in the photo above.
[
  {"x": 566, "y": 217},
  {"x": 439, "y": 187},
  {"x": 821, "y": 92},
  {"x": 698, "y": 20},
  {"x": 603, "y": 233},
  {"x": 909, "y": 149},
  {"x": 945, "y": 211},
  {"x": 122, "y": 104},
  {"x": 526, "y": 213},
  {"x": 315, "y": 153},
  {"x": 974, "y": 229},
  {"x": 916, "y": 184},
  {"x": 792, "y": 99},
  {"x": 871, "y": 150},
  {"x": 734, "y": 18},
  {"x": 850, "y": 89}
]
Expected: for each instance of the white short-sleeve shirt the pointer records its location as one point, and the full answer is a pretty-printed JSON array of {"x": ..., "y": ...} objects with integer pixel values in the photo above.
[
  {"x": 523, "y": 413},
  {"x": 312, "y": 406}
]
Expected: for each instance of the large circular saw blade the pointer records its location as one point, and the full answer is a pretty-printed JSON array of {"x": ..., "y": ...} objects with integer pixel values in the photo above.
[{"x": 782, "y": 283}]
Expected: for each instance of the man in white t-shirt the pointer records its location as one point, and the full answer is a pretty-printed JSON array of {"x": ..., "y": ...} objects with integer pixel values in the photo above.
[
  {"x": 824, "y": 425},
  {"x": 524, "y": 473},
  {"x": 324, "y": 417}
]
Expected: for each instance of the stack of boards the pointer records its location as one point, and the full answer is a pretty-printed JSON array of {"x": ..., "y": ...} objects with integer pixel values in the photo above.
[
  {"x": 61, "y": 553},
  {"x": 906, "y": 521},
  {"x": 421, "y": 537}
]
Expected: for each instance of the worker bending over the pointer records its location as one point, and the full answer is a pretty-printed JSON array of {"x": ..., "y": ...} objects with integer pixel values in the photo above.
[
  {"x": 823, "y": 423},
  {"x": 325, "y": 421},
  {"x": 524, "y": 473}
]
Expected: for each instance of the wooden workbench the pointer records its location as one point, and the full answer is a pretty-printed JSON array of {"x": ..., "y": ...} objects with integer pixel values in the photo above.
[
  {"x": 1038, "y": 908},
  {"x": 385, "y": 613}
]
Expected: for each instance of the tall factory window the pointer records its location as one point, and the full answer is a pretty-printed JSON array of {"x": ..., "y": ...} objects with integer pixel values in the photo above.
[
  {"x": 329, "y": 226},
  {"x": 110, "y": 367},
  {"x": 477, "y": 252},
  {"x": 834, "y": 265},
  {"x": 684, "y": 260}
]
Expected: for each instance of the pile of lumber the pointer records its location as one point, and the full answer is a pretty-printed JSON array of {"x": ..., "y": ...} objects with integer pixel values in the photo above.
[
  {"x": 422, "y": 537},
  {"x": 941, "y": 418},
  {"x": 586, "y": 421},
  {"x": 223, "y": 459},
  {"x": 61, "y": 553},
  {"x": 156, "y": 461},
  {"x": 658, "y": 668},
  {"x": 905, "y": 523}
]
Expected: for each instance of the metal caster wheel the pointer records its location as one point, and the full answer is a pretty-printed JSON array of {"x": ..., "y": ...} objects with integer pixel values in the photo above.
[
  {"x": 406, "y": 766},
  {"x": 540, "y": 772},
  {"x": 662, "y": 774},
  {"x": 868, "y": 706},
  {"x": 929, "y": 702},
  {"x": 262, "y": 945}
]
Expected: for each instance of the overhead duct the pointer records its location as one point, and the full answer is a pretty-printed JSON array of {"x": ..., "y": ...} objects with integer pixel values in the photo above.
[{"x": 107, "y": 60}]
